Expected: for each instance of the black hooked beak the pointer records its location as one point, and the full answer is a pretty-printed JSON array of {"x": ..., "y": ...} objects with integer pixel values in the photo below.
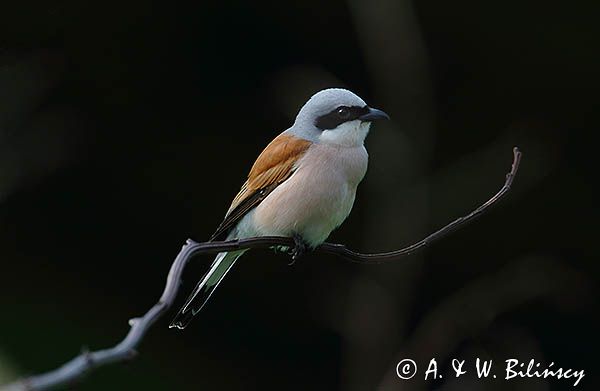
[{"x": 373, "y": 114}]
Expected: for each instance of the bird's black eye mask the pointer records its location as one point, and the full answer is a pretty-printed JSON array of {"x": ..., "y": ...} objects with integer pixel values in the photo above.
[{"x": 340, "y": 115}]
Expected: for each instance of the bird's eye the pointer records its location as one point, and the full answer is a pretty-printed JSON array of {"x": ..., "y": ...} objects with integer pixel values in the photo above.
[{"x": 343, "y": 112}]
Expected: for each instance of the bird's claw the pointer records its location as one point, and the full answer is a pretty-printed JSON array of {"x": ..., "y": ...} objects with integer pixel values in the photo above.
[{"x": 299, "y": 249}]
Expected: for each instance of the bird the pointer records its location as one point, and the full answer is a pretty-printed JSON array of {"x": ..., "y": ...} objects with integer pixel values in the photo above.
[{"x": 302, "y": 185}]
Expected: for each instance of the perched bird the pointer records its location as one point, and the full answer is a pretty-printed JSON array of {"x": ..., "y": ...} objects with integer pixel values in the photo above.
[{"x": 302, "y": 185}]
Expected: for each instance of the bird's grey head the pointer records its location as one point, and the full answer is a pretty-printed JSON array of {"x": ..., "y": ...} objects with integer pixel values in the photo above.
[{"x": 335, "y": 116}]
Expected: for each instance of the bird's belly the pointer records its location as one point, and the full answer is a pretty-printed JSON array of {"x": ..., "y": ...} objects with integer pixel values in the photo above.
[
  {"x": 315, "y": 200},
  {"x": 312, "y": 214}
]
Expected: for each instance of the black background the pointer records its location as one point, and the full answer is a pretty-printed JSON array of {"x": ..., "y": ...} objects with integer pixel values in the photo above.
[{"x": 126, "y": 127}]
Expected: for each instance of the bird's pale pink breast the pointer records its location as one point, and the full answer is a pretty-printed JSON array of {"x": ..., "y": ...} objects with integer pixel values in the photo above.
[{"x": 317, "y": 197}]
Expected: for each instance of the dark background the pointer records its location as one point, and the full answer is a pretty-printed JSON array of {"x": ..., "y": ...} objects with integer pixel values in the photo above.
[{"x": 127, "y": 127}]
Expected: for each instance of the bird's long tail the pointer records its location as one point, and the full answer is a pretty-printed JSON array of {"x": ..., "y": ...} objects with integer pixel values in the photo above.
[{"x": 205, "y": 288}]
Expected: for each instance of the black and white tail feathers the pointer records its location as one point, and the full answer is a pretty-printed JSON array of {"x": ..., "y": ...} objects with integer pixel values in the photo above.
[{"x": 205, "y": 288}]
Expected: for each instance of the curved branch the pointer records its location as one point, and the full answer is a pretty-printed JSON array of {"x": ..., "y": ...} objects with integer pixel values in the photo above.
[
  {"x": 124, "y": 350},
  {"x": 342, "y": 251}
]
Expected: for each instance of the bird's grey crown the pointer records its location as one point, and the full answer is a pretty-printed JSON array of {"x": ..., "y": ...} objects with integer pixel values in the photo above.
[{"x": 322, "y": 103}]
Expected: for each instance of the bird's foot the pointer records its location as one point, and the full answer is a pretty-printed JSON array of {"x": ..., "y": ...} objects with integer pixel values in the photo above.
[{"x": 300, "y": 247}]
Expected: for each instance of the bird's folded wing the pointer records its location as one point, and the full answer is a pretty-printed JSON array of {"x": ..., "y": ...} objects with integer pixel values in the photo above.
[{"x": 274, "y": 165}]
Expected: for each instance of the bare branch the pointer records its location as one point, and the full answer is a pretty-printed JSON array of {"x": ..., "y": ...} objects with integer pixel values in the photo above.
[
  {"x": 342, "y": 251},
  {"x": 125, "y": 350}
]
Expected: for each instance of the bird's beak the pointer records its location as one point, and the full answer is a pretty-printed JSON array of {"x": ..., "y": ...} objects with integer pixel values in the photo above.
[{"x": 373, "y": 114}]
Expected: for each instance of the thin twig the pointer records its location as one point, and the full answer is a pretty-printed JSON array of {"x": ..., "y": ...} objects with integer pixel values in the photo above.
[
  {"x": 124, "y": 350},
  {"x": 342, "y": 251}
]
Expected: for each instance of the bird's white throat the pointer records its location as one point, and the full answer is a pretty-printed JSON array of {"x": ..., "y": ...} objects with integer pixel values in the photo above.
[{"x": 348, "y": 134}]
